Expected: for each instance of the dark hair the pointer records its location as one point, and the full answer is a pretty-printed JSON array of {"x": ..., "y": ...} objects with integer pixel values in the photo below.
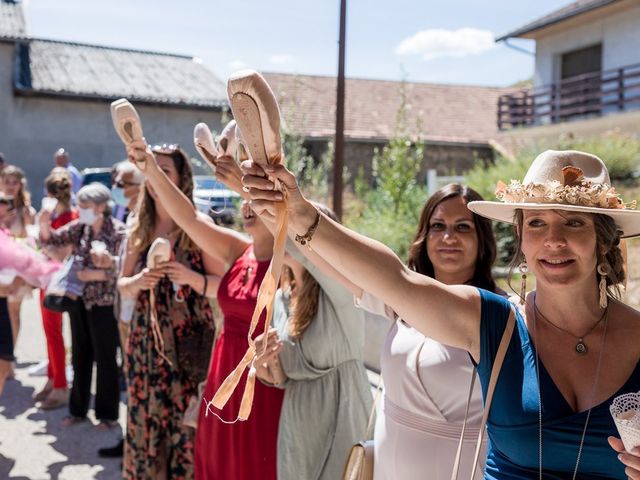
[
  {"x": 418, "y": 258},
  {"x": 607, "y": 241}
]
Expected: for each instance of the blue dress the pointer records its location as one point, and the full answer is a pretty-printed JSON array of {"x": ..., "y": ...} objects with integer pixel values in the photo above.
[{"x": 512, "y": 425}]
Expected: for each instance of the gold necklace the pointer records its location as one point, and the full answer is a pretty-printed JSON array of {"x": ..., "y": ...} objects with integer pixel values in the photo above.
[
  {"x": 581, "y": 347},
  {"x": 593, "y": 392}
]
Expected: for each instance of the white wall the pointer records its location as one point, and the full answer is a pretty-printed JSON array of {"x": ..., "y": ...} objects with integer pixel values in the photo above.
[
  {"x": 32, "y": 128},
  {"x": 619, "y": 34}
]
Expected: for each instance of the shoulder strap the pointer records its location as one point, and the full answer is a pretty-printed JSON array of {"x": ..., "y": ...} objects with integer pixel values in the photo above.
[
  {"x": 372, "y": 413},
  {"x": 495, "y": 372}
]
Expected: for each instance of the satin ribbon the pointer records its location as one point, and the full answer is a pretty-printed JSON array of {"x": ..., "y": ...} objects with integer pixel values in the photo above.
[{"x": 266, "y": 296}]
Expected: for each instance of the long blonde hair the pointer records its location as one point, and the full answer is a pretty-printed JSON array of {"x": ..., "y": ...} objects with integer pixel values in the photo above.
[
  {"x": 23, "y": 198},
  {"x": 304, "y": 299},
  {"x": 141, "y": 235}
]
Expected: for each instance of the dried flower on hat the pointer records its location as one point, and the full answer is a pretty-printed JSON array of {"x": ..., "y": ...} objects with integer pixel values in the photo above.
[{"x": 574, "y": 190}]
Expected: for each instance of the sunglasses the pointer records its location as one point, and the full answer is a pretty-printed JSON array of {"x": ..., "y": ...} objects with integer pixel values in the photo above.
[
  {"x": 123, "y": 184},
  {"x": 166, "y": 148}
]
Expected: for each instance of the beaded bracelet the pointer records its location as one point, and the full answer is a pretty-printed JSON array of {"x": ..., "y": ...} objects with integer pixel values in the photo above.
[{"x": 306, "y": 238}]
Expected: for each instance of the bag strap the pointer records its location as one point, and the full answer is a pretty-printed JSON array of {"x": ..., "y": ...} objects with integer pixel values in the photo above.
[
  {"x": 373, "y": 409},
  {"x": 495, "y": 372}
]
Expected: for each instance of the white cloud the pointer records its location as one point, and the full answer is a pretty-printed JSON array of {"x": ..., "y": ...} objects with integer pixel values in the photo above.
[
  {"x": 237, "y": 65},
  {"x": 280, "y": 59},
  {"x": 434, "y": 43}
]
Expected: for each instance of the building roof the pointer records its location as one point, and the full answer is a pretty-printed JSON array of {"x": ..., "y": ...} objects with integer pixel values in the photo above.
[
  {"x": 55, "y": 68},
  {"x": 436, "y": 113},
  {"x": 569, "y": 11},
  {"x": 12, "y": 23}
]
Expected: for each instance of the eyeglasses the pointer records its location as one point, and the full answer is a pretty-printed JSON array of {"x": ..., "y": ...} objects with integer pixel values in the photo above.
[
  {"x": 123, "y": 184},
  {"x": 166, "y": 148}
]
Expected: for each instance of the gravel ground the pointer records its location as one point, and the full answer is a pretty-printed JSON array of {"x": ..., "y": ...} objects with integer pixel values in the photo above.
[{"x": 33, "y": 443}]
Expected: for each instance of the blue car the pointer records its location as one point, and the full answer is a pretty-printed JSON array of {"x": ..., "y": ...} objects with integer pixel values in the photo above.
[{"x": 215, "y": 199}]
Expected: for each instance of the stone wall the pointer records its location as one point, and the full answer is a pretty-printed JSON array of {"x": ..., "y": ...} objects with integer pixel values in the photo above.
[{"x": 445, "y": 158}]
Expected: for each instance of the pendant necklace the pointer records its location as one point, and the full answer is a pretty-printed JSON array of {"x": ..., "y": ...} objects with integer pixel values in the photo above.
[
  {"x": 593, "y": 391},
  {"x": 581, "y": 347}
]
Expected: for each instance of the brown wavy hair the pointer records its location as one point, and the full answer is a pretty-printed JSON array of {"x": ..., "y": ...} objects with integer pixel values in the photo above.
[
  {"x": 59, "y": 185},
  {"x": 141, "y": 235},
  {"x": 607, "y": 241},
  {"x": 304, "y": 299},
  {"x": 418, "y": 258},
  {"x": 23, "y": 198}
]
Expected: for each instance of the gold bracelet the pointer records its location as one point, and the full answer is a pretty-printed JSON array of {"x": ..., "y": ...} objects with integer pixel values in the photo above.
[{"x": 306, "y": 238}]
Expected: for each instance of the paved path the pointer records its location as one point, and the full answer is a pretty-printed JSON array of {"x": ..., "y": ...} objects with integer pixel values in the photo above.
[{"x": 33, "y": 444}]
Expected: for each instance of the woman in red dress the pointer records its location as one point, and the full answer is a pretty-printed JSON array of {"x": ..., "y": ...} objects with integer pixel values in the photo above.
[
  {"x": 55, "y": 392},
  {"x": 226, "y": 449}
]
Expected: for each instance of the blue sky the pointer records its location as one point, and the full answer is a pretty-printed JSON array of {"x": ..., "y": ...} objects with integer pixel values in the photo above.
[{"x": 430, "y": 41}]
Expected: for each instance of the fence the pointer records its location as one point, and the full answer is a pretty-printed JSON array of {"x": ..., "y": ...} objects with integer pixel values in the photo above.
[{"x": 582, "y": 96}]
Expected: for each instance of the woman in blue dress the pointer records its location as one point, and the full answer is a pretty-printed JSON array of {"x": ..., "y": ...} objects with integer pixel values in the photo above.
[{"x": 575, "y": 346}]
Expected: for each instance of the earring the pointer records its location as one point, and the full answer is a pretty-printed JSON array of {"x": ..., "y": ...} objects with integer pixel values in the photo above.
[
  {"x": 602, "y": 285},
  {"x": 524, "y": 269}
]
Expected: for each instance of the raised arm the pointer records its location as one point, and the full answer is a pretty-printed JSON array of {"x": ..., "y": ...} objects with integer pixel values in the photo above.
[
  {"x": 222, "y": 243},
  {"x": 449, "y": 314}
]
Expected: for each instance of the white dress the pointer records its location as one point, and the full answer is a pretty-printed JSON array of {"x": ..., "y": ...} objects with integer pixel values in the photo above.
[{"x": 426, "y": 386}]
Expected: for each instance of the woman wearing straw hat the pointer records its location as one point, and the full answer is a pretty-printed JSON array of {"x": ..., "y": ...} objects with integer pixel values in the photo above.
[{"x": 574, "y": 346}]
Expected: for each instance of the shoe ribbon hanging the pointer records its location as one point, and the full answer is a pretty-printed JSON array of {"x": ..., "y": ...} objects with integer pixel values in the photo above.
[{"x": 256, "y": 112}]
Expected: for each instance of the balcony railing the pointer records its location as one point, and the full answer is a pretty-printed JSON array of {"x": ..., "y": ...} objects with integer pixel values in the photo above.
[{"x": 582, "y": 96}]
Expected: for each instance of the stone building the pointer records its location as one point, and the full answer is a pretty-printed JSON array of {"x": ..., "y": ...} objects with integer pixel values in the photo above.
[
  {"x": 586, "y": 74},
  {"x": 457, "y": 122},
  {"x": 57, "y": 94}
]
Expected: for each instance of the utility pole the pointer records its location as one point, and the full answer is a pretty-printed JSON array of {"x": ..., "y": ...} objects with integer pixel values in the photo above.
[{"x": 339, "y": 140}]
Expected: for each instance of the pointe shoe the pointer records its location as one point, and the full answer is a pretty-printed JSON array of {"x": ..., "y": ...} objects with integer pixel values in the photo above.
[
  {"x": 203, "y": 141},
  {"x": 228, "y": 141},
  {"x": 159, "y": 251},
  {"x": 127, "y": 123},
  {"x": 256, "y": 112}
]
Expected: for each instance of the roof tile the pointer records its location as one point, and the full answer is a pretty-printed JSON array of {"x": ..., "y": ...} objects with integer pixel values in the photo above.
[
  {"x": 447, "y": 113},
  {"x": 65, "y": 68}
]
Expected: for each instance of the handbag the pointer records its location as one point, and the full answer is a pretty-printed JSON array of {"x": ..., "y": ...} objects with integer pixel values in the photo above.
[
  {"x": 495, "y": 373},
  {"x": 64, "y": 288},
  {"x": 359, "y": 464},
  {"x": 194, "y": 351}
]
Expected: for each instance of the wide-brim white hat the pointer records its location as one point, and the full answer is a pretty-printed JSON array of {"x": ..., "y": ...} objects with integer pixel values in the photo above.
[{"x": 563, "y": 180}]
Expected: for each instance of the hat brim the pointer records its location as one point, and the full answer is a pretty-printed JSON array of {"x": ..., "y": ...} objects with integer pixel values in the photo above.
[{"x": 628, "y": 221}]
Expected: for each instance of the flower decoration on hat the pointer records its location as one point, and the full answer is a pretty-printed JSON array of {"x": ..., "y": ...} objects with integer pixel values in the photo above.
[{"x": 574, "y": 190}]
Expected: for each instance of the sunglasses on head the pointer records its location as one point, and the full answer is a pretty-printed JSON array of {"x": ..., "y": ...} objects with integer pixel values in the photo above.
[
  {"x": 123, "y": 184},
  {"x": 166, "y": 148}
]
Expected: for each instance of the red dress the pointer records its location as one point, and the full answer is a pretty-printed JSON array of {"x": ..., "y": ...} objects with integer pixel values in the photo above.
[
  {"x": 52, "y": 323},
  {"x": 243, "y": 450}
]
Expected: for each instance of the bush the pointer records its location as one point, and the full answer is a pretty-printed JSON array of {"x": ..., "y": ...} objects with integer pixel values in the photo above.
[
  {"x": 619, "y": 151},
  {"x": 390, "y": 211}
]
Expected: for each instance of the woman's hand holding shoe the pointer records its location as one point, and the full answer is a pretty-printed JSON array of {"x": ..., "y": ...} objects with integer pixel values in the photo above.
[
  {"x": 180, "y": 274},
  {"x": 147, "y": 279},
  {"x": 139, "y": 153},
  {"x": 229, "y": 173},
  {"x": 260, "y": 184}
]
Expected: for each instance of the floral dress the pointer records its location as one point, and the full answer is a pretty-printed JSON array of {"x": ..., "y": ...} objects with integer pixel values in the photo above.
[{"x": 159, "y": 391}]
